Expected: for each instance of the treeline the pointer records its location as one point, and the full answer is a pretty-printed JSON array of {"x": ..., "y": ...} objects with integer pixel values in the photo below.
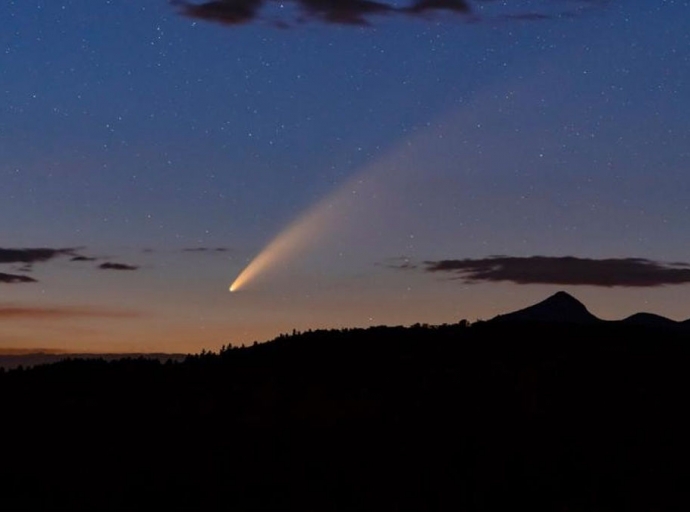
[{"x": 456, "y": 417}]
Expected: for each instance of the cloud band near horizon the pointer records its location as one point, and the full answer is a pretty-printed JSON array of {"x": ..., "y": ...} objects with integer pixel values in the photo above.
[{"x": 566, "y": 270}]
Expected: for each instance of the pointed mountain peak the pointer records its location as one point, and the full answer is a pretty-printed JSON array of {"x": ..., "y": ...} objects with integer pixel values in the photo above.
[
  {"x": 560, "y": 307},
  {"x": 564, "y": 298}
]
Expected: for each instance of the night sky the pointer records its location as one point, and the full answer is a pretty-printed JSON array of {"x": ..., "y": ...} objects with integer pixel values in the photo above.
[{"x": 437, "y": 160}]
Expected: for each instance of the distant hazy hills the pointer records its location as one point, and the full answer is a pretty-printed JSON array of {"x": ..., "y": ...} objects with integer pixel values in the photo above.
[
  {"x": 564, "y": 308},
  {"x": 13, "y": 358}
]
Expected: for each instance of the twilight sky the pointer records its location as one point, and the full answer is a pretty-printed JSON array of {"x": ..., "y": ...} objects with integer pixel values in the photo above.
[{"x": 425, "y": 162}]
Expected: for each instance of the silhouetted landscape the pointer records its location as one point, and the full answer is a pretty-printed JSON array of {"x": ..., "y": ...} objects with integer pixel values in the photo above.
[
  {"x": 546, "y": 408},
  {"x": 27, "y": 358}
]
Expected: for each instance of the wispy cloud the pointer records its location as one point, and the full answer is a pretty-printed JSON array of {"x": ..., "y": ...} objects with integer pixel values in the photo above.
[
  {"x": 15, "y": 279},
  {"x": 14, "y": 311},
  {"x": 566, "y": 270},
  {"x": 206, "y": 249},
  {"x": 109, "y": 265},
  {"x": 35, "y": 255},
  {"x": 83, "y": 258},
  {"x": 24, "y": 259},
  {"x": 400, "y": 263},
  {"x": 28, "y": 257}
]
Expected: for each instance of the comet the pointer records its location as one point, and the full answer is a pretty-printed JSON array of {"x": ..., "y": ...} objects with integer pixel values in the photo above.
[
  {"x": 308, "y": 228},
  {"x": 291, "y": 240}
]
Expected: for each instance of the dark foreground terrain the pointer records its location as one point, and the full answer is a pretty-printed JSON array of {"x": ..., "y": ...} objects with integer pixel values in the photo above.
[{"x": 503, "y": 415}]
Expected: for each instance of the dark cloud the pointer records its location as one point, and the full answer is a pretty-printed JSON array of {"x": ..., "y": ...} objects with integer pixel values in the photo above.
[
  {"x": 359, "y": 12},
  {"x": 27, "y": 257},
  {"x": 11, "y": 311},
  {"x": 228, "y": 12},
  {"x": 567, "y": 270},
  {"x": 24, "y": 259},
  {"x": 83, "y": 258},
  {"x": 15, "y": 279},
  {"x": 205, "y": 249},
  {"x": 346, "y": 12},
  {"x": 420, "y": 6},
  {"x": 108, "y": 265},
  {"x": 30, "y": 256}
]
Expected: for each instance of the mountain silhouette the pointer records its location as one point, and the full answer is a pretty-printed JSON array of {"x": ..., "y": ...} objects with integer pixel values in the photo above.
[
  {"x": 652, "y": 320},
  {"x": 555, "y": 411},
  {"x": 559, "y": 308}
]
